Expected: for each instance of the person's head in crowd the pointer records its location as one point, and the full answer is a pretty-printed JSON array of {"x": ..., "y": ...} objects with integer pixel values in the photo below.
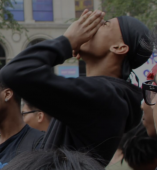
[
  {"x": 144, "y": 129},
  {"x": 34, "y": 117},
  {"x": 150, "y": 87},
  {"x": 147, "y": 119},
  {"x": 14, "y": 133},
  {"x": 139, "y": 130},
  {"x": 117, "y": 48},
  {"x": 60, "y": 159},
  {"x": 141, "y": 153},
  {"x": 9, "y": 101},
  {"x": 10, "y": 115}
]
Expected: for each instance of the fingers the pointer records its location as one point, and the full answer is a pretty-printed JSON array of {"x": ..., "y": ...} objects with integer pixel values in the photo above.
[
  {"x": 98, "y": 22},
  {"x": 93, "y": 18},
  {"x": 84, "y": 12},
  {"x": 78, "y": 57},
  {"x": 95, "y": 29},
  {"x": 76, "y": 54},
  {"x": 84, "y": 17}
]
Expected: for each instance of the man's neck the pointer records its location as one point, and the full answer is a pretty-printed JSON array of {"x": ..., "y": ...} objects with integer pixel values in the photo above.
[
  {"x": 108, "y": 66},
  {"x": 118, "y": 156},
  {"x": 11, "y": 125}
]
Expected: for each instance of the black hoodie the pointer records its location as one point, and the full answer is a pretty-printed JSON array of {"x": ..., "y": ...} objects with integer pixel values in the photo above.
[{"x": 90, "y": 113}]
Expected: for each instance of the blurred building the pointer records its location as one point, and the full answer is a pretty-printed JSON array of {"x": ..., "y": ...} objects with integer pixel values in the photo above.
[
  {"x": 80, "y": 5},
  {"x": 44, "y": 19}
]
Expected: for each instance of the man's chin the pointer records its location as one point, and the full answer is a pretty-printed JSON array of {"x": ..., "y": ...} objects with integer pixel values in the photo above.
[
  {"x": 82, "y": 55},
  {"x": 85, "y": 47}
]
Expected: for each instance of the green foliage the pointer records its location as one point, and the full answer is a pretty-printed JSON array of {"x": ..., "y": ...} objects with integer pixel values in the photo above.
[
  {"x": 7, "y": 21},
  {"x": 144, "y": 10}
]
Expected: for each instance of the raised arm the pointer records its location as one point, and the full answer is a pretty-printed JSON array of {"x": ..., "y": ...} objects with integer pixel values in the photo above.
[{"x": 69, "y": 100}]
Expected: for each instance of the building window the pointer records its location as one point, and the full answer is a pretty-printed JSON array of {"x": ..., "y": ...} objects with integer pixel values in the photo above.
[
  {"x": 17, "y": 10},
  {"x": 42, "y": 10},
  {"x": 80, "y": 5},
  {"x": 76, "y": 3},
  {"x": 88, "y": 3},
  {"x": 2, "y": 57}
]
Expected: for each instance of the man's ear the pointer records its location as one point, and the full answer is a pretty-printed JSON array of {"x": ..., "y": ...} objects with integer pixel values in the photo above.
[
  {"x": 40, "y": 117},
  {"x": 7, "y": 94},
  {"x": 119, "y": 49}
]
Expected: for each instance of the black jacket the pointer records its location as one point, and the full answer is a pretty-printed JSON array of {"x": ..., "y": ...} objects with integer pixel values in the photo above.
[{"x": 93, "y": 112}]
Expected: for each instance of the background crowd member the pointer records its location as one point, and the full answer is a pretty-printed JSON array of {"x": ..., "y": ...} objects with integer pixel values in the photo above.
[
  {"x": 60, "y": 159},
  {"x": 116, "y": 163},
  {"x": 147, "y": 119},
  {"x": 141, "y": 153},
  {"x": 153, "y": 101},
  {"x": 15, "y": 135},
  {"x": 34, "y": 117},
  {"x": 144, "y": 129},
  {"x": 91, "y": 113},
  {"x": 150, "y": 87}
]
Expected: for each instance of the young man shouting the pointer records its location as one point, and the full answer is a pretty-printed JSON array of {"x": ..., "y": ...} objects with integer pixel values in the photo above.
[{"x": 91, "y": 113}]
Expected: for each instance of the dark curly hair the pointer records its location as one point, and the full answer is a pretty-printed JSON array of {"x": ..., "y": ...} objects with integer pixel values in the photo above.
[
  {"x": 60, "y": 159},
  {"x": 139, "y": 151}
]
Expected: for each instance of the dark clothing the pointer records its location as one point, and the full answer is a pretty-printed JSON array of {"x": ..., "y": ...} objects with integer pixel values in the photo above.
[
  {"x": 18, "y": 143},
  {"x": 8, "y": 148},
  {"x": 91, "y": 113}
]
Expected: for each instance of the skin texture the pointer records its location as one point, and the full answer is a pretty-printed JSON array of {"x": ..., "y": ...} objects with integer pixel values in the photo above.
[
  {"x": 37, "y": 120},
  {"x": 148, "y": 120}
]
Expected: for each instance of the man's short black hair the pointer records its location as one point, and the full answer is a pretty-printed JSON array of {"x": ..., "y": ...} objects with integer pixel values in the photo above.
[
  {"x": 3, "y": 86},
  {"x": 140, "y": 151},
  {"x": 139, "y": 130}
]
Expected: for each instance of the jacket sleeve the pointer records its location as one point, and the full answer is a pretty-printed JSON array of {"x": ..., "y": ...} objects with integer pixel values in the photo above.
[{"x": 73, "y": 101}]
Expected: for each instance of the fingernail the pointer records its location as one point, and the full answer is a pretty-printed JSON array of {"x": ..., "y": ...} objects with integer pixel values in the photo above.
[
  {"x": 102, "y": 14},
  {"x": 89, "y": 12},
  {"x": 98, "y": 12}
]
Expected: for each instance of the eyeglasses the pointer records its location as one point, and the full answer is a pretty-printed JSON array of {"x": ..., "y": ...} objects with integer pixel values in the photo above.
[
  {"x": 32, "y": 111},
  {"x": 149, "y": 92}
]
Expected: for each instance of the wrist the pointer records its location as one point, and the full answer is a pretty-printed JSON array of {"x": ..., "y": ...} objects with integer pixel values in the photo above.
[{"x": 72, "y": 42}]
